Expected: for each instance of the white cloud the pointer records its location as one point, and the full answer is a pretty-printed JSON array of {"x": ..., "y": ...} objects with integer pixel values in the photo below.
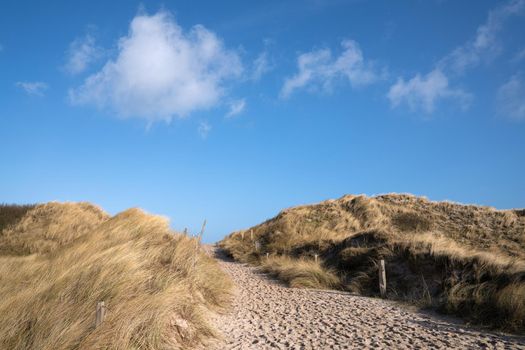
[
  {"x": 204, "y": 129},
  {"x": 485, "y": 45},
  {"x": 35, "y": 88},
  {"x": 236, "y": 107},
  {"x": 422, "y": 93},
  {"x": 318, "y": 70},
  {"x": 81, "y": 53},
  {"x": 161, "y": 71},
  {"x": 261, "y": 66},
  {"x": 511, "y": 98}
]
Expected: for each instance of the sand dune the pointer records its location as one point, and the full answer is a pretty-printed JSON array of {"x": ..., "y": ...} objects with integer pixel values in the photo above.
[{"x": 463, "y": 260}]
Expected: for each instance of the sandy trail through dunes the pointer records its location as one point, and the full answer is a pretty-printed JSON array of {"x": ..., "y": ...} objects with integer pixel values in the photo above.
[{"x": 268, "y": 315}]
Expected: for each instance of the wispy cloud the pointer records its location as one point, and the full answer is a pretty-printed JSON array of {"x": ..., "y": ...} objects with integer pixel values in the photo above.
[
  {"x": 318, "y": 70},
  {"x": 261, "y": 66},
  {"x": 423, "y": 92},
  {"x": 236, "y": 107},
  {"x": 485, "y": 45},
  {"x": 161, "y": 71},
  {"x": 204, "y": 129},
  {"x": 81, "y": 52},
  {"x": 519, "y": 56},
  {"x": 511, "y": 98},
  {"x": 35, "y": 88}
]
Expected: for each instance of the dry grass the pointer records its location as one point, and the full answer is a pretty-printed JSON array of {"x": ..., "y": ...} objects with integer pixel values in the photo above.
[
  {"x": 10, "y": 214},
  {"x": 48, "y": 227},
  {"x": 461, "y": 259},
  {"x": 300, "y": 273},
  {"x": 60, "y": 259}
]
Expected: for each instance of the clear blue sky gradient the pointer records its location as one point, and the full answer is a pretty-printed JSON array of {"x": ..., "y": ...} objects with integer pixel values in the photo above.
[{"x": 278, "y": 152}]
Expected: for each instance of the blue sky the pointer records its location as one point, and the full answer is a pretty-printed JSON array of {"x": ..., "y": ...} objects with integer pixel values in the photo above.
[{"x": 233, "y": 110}]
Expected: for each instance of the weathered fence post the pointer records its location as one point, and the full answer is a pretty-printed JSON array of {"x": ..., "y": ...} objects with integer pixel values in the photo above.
[
  {"x": 251, "y": 235},
  {"x": 257, "y": 246},
  {"x": 267, "y": 255},
  {"x": 242, "y": 235},
  {"x": 197, "y": 244},
  {"x": 101, "y": 313},
  {"x": 315, "y": 257},
  {"x": 202, "y": 230},
  {"x": 382, "y": 278}
]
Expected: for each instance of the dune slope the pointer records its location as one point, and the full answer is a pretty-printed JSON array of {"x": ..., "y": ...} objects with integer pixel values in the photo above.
[
  {"x": 59, "y": 259},
  {"x": 461, "y": 259}
]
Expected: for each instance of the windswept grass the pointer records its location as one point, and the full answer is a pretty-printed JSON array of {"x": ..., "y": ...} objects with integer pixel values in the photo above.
[
  {"x": 300, "y": 273},
  {"x": 11, "y": 213},
  {"x": 48, "y": 227},
  {"x": 460, "y": 259},
  {"x": 62, "y": 258}
]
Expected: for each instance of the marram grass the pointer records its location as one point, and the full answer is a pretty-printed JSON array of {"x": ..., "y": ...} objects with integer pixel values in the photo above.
[{"x": 60, "y": 259}]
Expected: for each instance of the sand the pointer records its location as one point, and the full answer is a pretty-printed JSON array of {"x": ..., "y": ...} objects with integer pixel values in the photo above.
[{"x": 269, "y": 315}]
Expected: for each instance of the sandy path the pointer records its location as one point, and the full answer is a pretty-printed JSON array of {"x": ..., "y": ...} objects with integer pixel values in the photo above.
[{"x": 267, "y": 315}]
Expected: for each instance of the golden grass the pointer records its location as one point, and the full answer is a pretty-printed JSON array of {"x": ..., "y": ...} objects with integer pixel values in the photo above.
[
  {"x": 62, "y": 258},
  {"x": 300, "y": 273},
  {"x": 462, "y": 259},
  {"x": 10, "y": 214},
  {"x": 47, "y": 227}
]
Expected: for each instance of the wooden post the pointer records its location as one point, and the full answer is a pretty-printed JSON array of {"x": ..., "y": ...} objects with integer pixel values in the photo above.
[
  {"x": 196, "y": 252},
  {"x": 251, "y": 235},
  {"x": 242, "y": 235},
  {"x": 315, "y": 257},
  {"x": 101, "y": 313},
  {"x": 202, "y": 230},
  {"x": 382, "y": 278},
  {"x": 197, "y": 244},
  {"x": 267, "y": 255},
  {"x": 257, "y": 246}
]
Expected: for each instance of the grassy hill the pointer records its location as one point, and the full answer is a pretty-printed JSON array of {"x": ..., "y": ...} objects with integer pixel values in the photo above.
[
  {"x": 57, "y": 260},
  {"x": 461, "y": 259}
]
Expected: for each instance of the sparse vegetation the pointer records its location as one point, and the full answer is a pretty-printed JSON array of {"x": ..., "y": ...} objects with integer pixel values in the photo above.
[
  {"x": 460, "y": 259},
  {"x": 59, "y": 259},
  {"x": 11, "y": 213}
]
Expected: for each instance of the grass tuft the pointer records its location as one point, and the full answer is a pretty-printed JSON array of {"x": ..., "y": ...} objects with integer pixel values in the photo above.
[{"x": 300, "y": 273}]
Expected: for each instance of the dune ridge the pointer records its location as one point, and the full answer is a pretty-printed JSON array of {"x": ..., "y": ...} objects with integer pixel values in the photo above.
[
  {"x": 465, "y": 260},
  {"x": 59, "y": 259}
]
